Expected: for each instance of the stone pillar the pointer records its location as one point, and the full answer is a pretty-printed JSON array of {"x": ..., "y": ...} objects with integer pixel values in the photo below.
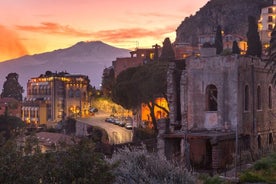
[
  {"x": 184, "y": 100},
  {"x": 171, "y": 93},
  {"x": 161, "y": 126}
]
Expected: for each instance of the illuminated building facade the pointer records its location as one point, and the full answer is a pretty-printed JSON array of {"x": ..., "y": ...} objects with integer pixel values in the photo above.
[
  {"x": 138, "y": 57},
  {"x": 267, "y": 23},
  {"x": 55, "y": 96}
]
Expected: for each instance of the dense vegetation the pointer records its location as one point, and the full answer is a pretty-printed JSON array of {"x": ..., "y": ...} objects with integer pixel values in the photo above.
[{"x": 264, "y": 170}]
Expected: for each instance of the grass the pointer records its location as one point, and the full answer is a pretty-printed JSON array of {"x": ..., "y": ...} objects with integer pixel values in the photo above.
[{"x": 263, "y": 170}]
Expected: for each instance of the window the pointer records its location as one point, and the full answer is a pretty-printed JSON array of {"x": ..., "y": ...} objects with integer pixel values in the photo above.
[
  {"x": 270, "y": 27},
  {"x": 270, "y": 139},
  {"x": 78, "y": 93},
  {"x": 270, "y": 19},
  {"x": 270, "y": 10},
  {"x": 211, "y": 98},
  {"x": 246, "y": 98},
  {"x": 259, "y": 98},
  {"x": 259, "y": 142},
  {"x": 71, "y": 93},
  {"x": 269, "y": 98}
]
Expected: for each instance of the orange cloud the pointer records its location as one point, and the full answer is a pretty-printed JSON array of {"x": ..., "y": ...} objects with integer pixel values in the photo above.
[
  {"x": 132, "y": 33},
  {"x": 54, "y": 28},
  {"x": 10, "y": 45},
  {"x": 104, "y": 35}
]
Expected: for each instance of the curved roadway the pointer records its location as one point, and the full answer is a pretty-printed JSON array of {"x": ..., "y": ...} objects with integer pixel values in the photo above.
[{"x": 116, "y": 134}]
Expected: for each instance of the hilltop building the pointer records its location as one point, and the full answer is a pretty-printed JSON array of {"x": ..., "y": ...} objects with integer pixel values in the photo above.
[
  {"x": 220, "y": 106},
  {"x": 54, "y": 96},
  {"x": 267, "y": 23},
  {"x": 138, "y": 57}
]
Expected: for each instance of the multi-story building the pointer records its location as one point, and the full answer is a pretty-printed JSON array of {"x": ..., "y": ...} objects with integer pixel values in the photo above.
[
  {"x": 54, "y": 96},
  {"x": 138, "y": 57},
  {"x": 267, "y": 23}
]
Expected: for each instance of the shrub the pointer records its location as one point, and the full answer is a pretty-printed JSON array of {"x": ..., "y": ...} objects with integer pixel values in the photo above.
[{"x": 140, "y": 166}]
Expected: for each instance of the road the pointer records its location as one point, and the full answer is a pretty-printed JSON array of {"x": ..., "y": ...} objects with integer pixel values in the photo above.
[{"x": 116, "y": 134}]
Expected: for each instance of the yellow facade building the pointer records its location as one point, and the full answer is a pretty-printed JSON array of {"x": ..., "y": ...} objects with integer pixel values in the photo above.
[{"x": 54, "y": 96}]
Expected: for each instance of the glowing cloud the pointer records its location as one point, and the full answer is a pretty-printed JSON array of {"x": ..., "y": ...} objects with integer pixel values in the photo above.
[
  {"x": 105, "y": 35},
  {"x": 10, "y": 45}
]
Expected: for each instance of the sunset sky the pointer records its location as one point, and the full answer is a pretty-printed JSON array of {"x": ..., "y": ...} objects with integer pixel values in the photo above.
[{"x": 32, "y": 26}]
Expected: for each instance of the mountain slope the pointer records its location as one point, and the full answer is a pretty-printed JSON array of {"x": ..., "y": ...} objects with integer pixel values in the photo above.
[
  {"x": 87, "y": 58},
  {"x": 231, "y": 15}
]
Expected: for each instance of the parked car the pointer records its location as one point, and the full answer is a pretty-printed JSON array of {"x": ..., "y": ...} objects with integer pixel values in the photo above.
[
  {"x": 128, "y": 126},
  {"x": 93, "y": 110}
]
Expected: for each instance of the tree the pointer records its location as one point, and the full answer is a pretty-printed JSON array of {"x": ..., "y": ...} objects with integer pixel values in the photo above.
[
  {"x": 9, "y": 125},
  {"x": 253, "y": 39},
  {"x": 218, "y": 41},
  {"x": 235, "y": 48},
  {"x": 271, "y": 61},
  {"x": 108, "y": 80},
  {"x": 142, "y": 84},
  {"x": 167, "y": 52},
  {"x": 76, "y": 164},
  {"x": 12, "y": 88}
]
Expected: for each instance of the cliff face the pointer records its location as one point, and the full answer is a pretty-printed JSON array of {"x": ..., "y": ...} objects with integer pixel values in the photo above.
[{"x": 232, "y": 15}]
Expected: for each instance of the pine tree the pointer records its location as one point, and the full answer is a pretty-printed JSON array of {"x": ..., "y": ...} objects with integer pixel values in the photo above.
[
  {"x": 218, "y": 41},
  {"x": 12, "y": 88},
  {"x": 253, "y": 39},
  {"x": 235, "y": 48}
]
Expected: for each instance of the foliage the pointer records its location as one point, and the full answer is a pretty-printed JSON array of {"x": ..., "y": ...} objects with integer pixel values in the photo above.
[
  {"x": 12, "y": 88},
  {"x": 108, "y": 80},
  {"x": 139, "y": 166},
  {"x": 167, "y": 53},
  {"x": 9, "y": 125},
  {"x": 271, "y": 61},
  {"x": 263, "y": 170},
  {"x": 206, "y": 179},
  {"x": 69, "y": 125},
  {"x": 78, "y": 164},
  {"x": 218, "y": 41},
  {"x": 235, "y": 48},
  {"x": 125, "y": 88},
  {"x": 143, "y": 134},
  {"x": 253, "y": 39},
  {"x": 142, "y": 84}
]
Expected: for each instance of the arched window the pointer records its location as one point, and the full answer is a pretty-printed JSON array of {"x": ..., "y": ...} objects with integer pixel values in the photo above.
[
  {"x": 71, "y": 93},
  {"x": 246, "y": 98},
  {"x": 78, "y": 93},
  {"x": 259, "y": 142},
  {"x": 270, "y": 139},
  {"x": 211, "y": 98},
  {"x": 259, "y": 98},
  {"x": 269, "y": 98}
]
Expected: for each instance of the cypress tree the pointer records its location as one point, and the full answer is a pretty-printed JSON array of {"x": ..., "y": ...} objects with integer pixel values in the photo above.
[
  {"x": 235, "y": 48},
  {"x": 12, "y": 88},
  {"x": 254, "y": 47},
  {"x": 271, "y": 61},
  {"x": 218, "y": 41},
  {"x": 167, "y": 52}
]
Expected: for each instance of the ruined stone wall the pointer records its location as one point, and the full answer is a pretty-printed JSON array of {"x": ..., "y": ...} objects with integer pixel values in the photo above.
[
  {"x": 218, "y": 71},
  {"x": 257, "y": 121}
]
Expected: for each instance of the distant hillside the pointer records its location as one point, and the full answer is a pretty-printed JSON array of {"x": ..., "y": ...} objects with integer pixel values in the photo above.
[
  {"x": 87, "y": 58},
  {"x": 232, "y": 15}
]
